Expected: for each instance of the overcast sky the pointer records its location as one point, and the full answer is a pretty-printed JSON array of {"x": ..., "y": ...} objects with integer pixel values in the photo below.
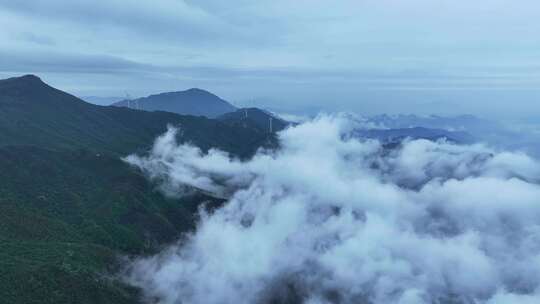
[{"x": 370, "y": 56}]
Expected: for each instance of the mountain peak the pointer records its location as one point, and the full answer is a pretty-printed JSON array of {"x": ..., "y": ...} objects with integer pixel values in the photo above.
[
  {"x": 26, "y": 82},
  {"x": 30, "y": 79},
  {"x": 192, "y": 101},
  {"x": 196, "y": 90},
  {"x": 31, "y": 90}
]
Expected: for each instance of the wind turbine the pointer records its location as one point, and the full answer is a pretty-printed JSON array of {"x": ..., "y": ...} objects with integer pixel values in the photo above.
[{"x": 128, "y": 100}]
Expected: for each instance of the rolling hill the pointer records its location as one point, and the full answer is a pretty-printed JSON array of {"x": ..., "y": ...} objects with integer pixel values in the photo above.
[{"x": 190, "y": 102}]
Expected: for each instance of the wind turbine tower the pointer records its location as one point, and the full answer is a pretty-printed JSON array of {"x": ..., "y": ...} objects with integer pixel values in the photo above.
[{"x": 128, "y": 100}]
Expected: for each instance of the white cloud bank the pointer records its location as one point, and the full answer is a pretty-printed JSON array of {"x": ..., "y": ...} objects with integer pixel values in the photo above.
[{"x": 333, "y": 219}]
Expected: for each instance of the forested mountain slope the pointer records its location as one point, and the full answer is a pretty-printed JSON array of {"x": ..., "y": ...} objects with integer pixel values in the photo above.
[{"x": 69, "y": 206}]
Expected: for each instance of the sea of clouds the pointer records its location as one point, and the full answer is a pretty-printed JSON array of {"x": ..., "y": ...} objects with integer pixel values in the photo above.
[{"x": 330, "y": 218}]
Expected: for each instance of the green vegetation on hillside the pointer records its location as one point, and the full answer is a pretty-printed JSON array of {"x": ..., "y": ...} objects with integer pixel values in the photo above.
[
  {"x": 65, "y": 216},
  {"x": 70, "y": 207}
]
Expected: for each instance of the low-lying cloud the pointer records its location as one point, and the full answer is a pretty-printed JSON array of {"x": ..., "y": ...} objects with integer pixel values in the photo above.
[{"x": 330, "y": 218}]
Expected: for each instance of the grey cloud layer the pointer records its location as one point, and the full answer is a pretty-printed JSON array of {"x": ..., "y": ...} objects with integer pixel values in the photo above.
[
  {"x": 165, "y": 17},
  {"x": 333, "y": 219},
  {"x": 355, "y": 54},
  {"x": 58, "y": 62}
]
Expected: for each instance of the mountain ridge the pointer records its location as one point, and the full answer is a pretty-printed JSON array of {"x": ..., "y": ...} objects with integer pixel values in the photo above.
[
  {"x": 34, "y": 113},
  {"x": 256, "y": 118},
  {"x": 69, "y": 206},
  {"x": 193, "y": 101}
]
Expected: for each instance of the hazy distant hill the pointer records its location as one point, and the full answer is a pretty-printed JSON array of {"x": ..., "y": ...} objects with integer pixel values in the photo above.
[
  {"x": 69, "y": 205},
  {"x": 190, "y": 102},
  {"x": 511, "y": 135},
  {"x": 396, "y": 135},
  {"x": 467, "y": 123}
]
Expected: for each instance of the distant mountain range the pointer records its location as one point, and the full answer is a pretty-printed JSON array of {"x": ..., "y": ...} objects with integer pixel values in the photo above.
[
  {"x": 467, "y": 123},
  {"x": 505, "y": 135},
  {"x": 190, "y": 102},
  {"x": 397, "y": 135}
]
